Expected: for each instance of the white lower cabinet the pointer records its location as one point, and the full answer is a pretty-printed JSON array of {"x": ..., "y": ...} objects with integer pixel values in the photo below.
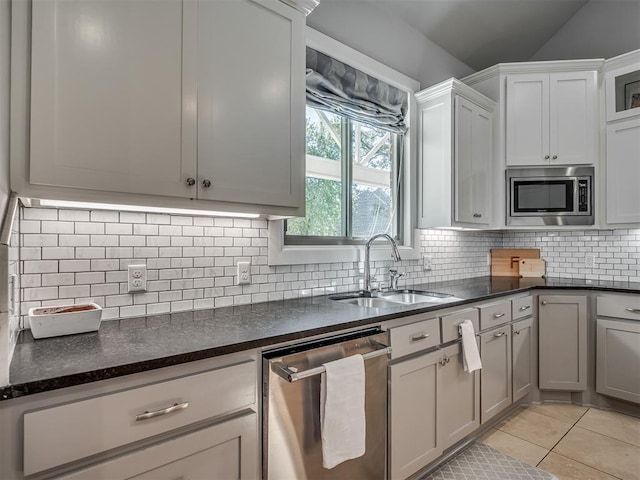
[
  {"x": 496, "y": 381},
  {"x": 522, "y": 357},
  {"x": 618, "y": 347},
  {"x": 414, "y": 414},
  {"x": 223, "y": 451},
  {"x": 195, "y": 420},
  {"x": 459, "y": 412},
  {"x": 562, "y": 327}
]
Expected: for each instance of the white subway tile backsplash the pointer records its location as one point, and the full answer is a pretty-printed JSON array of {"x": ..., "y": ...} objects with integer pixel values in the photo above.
[{"x": 72, "y": 255}]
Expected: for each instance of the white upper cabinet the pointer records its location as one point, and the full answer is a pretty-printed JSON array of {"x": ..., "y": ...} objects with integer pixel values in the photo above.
[
  {"x": 250, "y": 102},
  {"x": 192, "y": 99},
  {"x": 107, "y": 97},
  {"x": 455, "y": 156},
  {"x": 472, "y": 165},
  {"x": 622, "y": 160},
  {"x": 623, "y": 172},
  {"x": 551, "y": 119}
]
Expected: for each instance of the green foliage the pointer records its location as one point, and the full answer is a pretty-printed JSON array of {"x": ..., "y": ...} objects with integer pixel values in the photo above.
[{"x": 371, "y": 206}]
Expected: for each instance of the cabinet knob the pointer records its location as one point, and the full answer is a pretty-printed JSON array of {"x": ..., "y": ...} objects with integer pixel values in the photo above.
[
  {"x": 516, "y": 332},
  {"x": 191, "y": 181},
  {"x": 477, "y": 215},
  {"x": 555, "y": 157},
  {"x": 544, "y": 302},
  {"x": 546, "y": 157},
  {"x": 206, "y": 183}
]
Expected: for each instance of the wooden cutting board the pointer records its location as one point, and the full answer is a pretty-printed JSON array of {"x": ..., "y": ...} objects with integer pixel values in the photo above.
[
  {"x": 532, "y": 267},
  {"x": 505, "y": 262}
]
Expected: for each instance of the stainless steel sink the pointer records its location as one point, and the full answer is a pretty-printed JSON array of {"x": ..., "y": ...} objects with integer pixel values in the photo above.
[
  {"x": 417, "y": 296},
  {"x": 370, "y": 302},
  {"x": 396, "y": 298}
]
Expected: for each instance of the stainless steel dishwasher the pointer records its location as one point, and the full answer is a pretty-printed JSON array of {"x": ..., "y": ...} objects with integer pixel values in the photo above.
[{"x": 292, "y": 448}]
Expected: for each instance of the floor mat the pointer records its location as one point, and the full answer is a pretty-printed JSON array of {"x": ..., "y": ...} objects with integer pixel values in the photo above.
[{"x": 483, "y": 462}]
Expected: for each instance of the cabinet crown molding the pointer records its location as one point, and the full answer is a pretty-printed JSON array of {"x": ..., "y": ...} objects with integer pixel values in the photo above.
[
  {"x": 623, "y": 60},
  {"x": 455, "y": 86},
  {"x": 304, "y": 6},
  {"x": 534, "y": 67}
]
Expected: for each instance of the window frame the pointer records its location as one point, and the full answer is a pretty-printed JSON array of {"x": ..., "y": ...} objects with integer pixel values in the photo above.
[
  {"x": 351, "y": 250},
  {"x": 347, "y": 187}
]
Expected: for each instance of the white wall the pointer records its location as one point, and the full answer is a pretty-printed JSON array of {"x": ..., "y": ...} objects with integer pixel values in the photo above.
[
  {"x": 5, "y": 42},
  {"x": 5, "y": 30},
  {"x": 613, "y": 29},
  {"x": 366, "y": 28}
]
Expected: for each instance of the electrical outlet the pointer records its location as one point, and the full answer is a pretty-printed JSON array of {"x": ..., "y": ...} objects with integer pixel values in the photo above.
[
  {"x": 427, "y": 263},
  {"x": 590, "y": 260},
  {"x": 244, "y": 273},
  {"x": 137, "y": 278}
]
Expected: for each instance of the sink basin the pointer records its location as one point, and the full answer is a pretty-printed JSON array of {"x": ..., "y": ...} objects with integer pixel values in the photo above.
[
  {"x": 417, "y": 296},
  {"x": 370, "y": 302},
  {"x": 395, "y": 298}
]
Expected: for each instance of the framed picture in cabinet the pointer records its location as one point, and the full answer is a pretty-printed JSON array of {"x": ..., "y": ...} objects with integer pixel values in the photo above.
[{"x": 632, "y": 94}]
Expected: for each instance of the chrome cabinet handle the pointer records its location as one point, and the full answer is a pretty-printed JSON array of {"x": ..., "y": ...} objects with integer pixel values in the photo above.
[
  {"x": 497, "y": 335},
  {"x": 633, "y": 310},
  {"x": 206, "y": 183},
  {"x": 444, "y": 361},
  {"x": 498, "y": 315},
  {"x": 526, "y": 307},
  {"x": 544, "y": 302},
  {"x": 516, "y": 332},
  {"x": 477, "y": 215},
  {"x": 421, "y": 336},
  {"x": 176, "y": 407},
  {"x": 191, "y": 181}
]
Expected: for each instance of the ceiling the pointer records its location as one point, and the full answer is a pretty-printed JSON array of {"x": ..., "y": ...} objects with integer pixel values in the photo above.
[{"x": 482, "y": 33}]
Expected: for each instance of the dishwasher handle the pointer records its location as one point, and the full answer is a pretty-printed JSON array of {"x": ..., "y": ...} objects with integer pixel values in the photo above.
[{"x": 291, "y": 375}]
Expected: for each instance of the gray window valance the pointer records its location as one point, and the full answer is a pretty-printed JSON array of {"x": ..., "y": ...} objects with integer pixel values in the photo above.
[{"x": 341, "y": 89}]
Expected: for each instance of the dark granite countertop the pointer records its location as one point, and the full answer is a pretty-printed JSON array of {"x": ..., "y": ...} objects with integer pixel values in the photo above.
[{"x": 133, "y": 345}]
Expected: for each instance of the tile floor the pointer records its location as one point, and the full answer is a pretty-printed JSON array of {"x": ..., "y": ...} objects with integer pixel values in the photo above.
[{"x": 571, "y": 442}]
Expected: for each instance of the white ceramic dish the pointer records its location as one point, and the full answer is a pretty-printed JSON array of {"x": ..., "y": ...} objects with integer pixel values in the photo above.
[{"x": 64, "y": 320}]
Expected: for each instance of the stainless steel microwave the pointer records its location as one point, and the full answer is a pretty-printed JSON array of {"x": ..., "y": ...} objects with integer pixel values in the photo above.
[{"x": 550, "y": 196}]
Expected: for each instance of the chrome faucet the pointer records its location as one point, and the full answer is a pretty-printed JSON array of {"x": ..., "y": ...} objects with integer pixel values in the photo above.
[{"x": 395, "y": 254}]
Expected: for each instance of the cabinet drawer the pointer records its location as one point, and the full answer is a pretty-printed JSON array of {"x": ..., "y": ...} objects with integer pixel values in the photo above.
[
  {"x": 414, "y": 337},
  {"x": 619, "y": 306},
  {"x": 495, "y": 314},
  {"x": 109, "y": 421},
  {"x": 521, "y": 307},
  {"x": 450, "y": 323}
]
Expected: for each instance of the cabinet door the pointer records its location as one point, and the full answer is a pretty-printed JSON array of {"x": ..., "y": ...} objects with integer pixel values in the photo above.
[
  {"x": 562, "y": 325},
  {"x": 527, "y": 119},
  {"x": 109, "y": 100},
  {"x": 572, "y": 118},
  {"x": 414, "y": 415},
  {"x": 522, "y": 357},
  {"x": 459, "y": 399},
  {"x": 623, "y": 172},
  {"x": 251, "y": 102},
  {"x": 223, "y": 451},
  {"x": 495, "y": 376},
  {"x": 472, "y": 163},
  {"x": 618, "y": 359}
]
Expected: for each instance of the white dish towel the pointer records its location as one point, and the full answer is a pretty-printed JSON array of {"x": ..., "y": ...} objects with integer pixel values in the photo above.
[
  {"x": 470, "y": 354},
  {"x": 342, "y": 415}
]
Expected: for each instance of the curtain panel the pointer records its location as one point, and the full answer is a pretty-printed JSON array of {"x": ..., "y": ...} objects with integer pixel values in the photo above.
[{"x": 341, "y": 89}]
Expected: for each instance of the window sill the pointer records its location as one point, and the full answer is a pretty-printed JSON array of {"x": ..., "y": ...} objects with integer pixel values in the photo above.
[{"x": 279, "y": 254}]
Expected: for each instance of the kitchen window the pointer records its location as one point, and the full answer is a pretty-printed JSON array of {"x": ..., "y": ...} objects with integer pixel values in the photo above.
[
  {"x": 353, "y": 182},
  {"x": 360, "y": 163}
]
